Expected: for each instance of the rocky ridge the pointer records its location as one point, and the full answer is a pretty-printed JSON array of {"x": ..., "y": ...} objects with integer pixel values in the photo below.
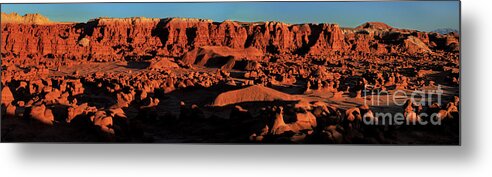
[{"x": 104, "y": 39}]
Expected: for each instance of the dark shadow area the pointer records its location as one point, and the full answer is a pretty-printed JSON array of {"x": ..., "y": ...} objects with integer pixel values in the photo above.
[
  {"x": 161, "y": 31},
  {"x": 191, "y": 35},
  {"x": 316, "y": 30},
  {"x": 218, "y": 61},
  {"x": 136, "y": 65}
]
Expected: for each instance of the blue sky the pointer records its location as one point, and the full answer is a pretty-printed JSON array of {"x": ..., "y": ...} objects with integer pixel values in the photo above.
[{"x": 423, "y": 15}]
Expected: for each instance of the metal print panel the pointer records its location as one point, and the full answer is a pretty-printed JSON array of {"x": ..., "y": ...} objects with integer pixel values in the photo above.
[{"x": 232, "y": 72}]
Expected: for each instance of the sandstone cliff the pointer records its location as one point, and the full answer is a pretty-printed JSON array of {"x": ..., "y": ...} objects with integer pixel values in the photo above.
[
  {"x": 108, "y": 39},
  {"x": 26, "y": 19}
]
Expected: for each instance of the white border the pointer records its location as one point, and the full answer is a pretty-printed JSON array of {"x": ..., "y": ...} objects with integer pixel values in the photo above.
[{"x": 473, "y": 158}]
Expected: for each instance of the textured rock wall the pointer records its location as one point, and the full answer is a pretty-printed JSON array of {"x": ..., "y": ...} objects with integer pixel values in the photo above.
[{"x": 106, "y": 39}]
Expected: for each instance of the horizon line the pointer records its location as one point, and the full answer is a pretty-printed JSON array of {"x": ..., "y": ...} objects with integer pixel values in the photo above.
[{"x": 207, "y": 19}]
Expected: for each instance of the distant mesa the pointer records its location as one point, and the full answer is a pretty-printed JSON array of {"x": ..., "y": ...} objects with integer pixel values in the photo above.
[
  {"x": 374, "y": 25},
  {"x": 40, "y": 20},
  {"x": 26, "y": 19},
  {"x": 445, "y": 30},
  {"x": 130, "y": 20}
]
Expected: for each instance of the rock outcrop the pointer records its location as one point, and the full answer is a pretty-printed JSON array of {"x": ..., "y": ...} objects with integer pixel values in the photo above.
[
  {"x": 374, "y": 25},
  {"x": 109, "y": 39},
  {"x": 7, "y": 96},
  {"x": 256, "y": 93},
  {"x": 36, "y": 19}
]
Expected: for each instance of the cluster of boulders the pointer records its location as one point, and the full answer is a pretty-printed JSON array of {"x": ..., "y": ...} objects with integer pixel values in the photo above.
[
  {"x": 93, "y": 100},
  {"x": 320, "y": 122},
  {"x": 316, "y": 122},
  {"x": 441, "y": 114}
]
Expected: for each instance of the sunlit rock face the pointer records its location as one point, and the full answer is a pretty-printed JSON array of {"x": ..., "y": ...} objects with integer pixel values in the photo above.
[{"x": 103, "y": 38}]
